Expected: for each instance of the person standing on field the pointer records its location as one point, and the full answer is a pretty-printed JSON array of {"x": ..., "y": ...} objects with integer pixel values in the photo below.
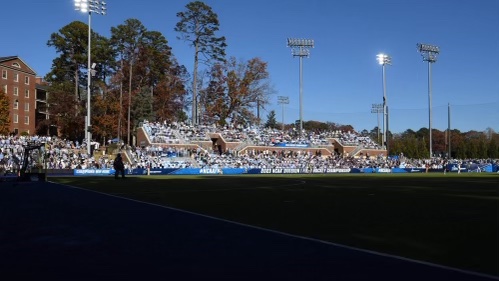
[{"x": 119, "y": 167}]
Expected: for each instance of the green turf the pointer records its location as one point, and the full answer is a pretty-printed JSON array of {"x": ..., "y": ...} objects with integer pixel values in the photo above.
[{"x": 452, "y": 219}]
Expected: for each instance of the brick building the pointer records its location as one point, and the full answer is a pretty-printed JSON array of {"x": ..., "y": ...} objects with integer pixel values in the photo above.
[
  {"x": 18, "y": 81},
  {"x": 28, "y": 95}
]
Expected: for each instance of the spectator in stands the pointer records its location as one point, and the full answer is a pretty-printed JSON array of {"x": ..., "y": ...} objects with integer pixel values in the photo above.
[
  {"x": 3, "y": 164},
  {"x": 119, "y": 167}
]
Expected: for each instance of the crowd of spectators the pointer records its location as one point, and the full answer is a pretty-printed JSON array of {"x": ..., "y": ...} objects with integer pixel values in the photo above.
[
  {"x": 58, "y": 153},
  {"x": 183, "y": 133},
  {"x": 157, "y": 154},
  {"x": 165, "y": 151}
]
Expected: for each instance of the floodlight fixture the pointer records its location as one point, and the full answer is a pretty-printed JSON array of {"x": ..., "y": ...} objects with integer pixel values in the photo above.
[
  {"x": 301, "y": 48},
  {"x": 376, "y": 108},
  {"x": 97, "y": 7},
  {"x": 384, "y": 59},
  {"x": 299, "y": 42},
  {"x": 282, "y": 100},
  {"x": 428, "y": 48},
  {"x": 429, "y": 53},
  {"x": 91, "y": 6}
]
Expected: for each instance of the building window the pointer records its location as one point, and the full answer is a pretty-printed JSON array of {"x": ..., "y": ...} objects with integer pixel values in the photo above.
[
  {"x": 26, "y": 107},
  {"x": 26, "y": 93},
  {"x": 15, "y": 64},
  {"x": 26, "y": 120},
  {"x": 5, "y": 89},
  {"x": 26, "y": 80},
  {"x": 16, "y": 77},
  {"x": 4, "y": 74},
  {"x": 16, "y": 104},
  {"x": 16, "y": 91},
  {"x": 16, "y": 118}
]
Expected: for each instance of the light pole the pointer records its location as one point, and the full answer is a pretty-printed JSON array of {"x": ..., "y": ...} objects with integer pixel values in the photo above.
[
  {"x": 133, "y": 56},
  {"x": 384, "y": 60},
  {"x": 429, "y": 53},
  {"x": 301, "y": 48},
  {"x": 282, "y": 100},
  {"x": 98, "y": 7},
  {"x": 377, "y": 108},
  {"x": 448, "y": 129}
]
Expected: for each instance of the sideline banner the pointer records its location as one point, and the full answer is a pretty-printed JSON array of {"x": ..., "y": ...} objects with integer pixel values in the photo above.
[
  {"x": 282, "y": 171},
  {"x": 93, "y": 172},
  {"x": 233, "y": 171},
  {"x": 291, "y": 144},
  {"x": 237, "y": 171},
  {"x": 142, "y": 171},
  {"x": 209, "y": 171},
  {"x": 299, "y": 171},
  {"x": 454, "y": 168}
]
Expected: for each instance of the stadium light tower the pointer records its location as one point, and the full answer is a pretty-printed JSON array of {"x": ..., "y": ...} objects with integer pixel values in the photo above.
[
  {"x": 377, "y": 108},
  {"x": 301, "y": 48},
  {"x": 282, "y": 100},
  {"x": 384, "y": 60},
  {"x": 429, "y": 53},
  {"x": 98, "y": 7}
]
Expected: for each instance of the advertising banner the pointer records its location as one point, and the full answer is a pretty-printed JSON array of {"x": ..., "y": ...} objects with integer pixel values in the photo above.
[
  {"x": 153, "y": 171},
  {"x": 454, "y": 168},
  {"x": 292, "y": 145},
  {"x": 93, "y": 172},
  {"x": 489, "y": 168}
]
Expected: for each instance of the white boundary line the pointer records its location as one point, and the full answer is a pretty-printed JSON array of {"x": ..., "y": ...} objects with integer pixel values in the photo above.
[{"x": 296, "y": 236}]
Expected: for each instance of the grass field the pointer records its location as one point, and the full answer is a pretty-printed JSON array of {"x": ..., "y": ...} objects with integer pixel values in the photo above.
[{"x": 451, "y": 220}]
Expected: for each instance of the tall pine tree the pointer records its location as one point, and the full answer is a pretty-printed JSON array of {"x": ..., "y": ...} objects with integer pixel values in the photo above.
[{"x": 198, "y": 25}]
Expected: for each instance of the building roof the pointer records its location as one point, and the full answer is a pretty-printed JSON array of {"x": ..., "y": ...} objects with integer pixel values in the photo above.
[
  {"x": 9, "y": 58},
  {"x": 43, "y": 87}
]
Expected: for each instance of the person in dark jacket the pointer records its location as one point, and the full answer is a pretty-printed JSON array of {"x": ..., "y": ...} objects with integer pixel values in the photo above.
[{"x": 119, "y": 167}]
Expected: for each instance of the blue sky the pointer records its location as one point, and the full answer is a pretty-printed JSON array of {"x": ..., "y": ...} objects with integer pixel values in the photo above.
[{"x": 341, "y": 78}]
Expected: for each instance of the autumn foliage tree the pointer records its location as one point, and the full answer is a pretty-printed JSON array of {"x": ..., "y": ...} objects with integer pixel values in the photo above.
[
  {"x": 213, "y": 98},
  {"x": 62, "y": 108},
  {"x": 170, "y": 95},
  {"x": 106, "y": 108},
  {"x": 148, "y": 80},
  {"x": 4, "y": 113},
  {"x": 234, "y": 91}
]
